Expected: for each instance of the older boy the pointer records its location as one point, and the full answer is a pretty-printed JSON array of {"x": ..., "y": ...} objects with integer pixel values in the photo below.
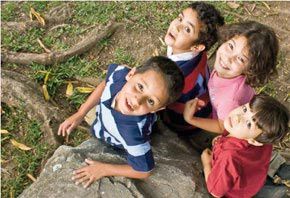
[
  {"x": 238, "y": 164},
  {"x": 188, "y": 38},
  {"x": 127, "y": 101}
]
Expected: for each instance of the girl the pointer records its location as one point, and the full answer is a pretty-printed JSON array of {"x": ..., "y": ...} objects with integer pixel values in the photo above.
[{"x": 246, "y": 59}]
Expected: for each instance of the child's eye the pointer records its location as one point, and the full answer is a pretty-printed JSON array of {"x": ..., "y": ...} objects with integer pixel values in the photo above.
[
  {"x": 179, "y": 18},
  {"x": 140, "y": 87},
  {"x": 241, "y": 59},
  {"x": 150, "y": 102},
  {"x": 244, "y": 109},
  {"x": 231, "y": 46},
  {"x": 249, "y": 125},
  {"x": 187, "y": 29}
]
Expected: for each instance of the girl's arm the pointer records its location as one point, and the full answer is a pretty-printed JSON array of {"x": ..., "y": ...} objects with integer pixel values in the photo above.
[
  {"x": 215, "y": 126},
  {"x": 70, "y": 123},
  {"x": 96, "y": 170}
]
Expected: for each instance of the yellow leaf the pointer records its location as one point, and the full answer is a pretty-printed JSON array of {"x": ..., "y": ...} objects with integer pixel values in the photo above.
[
  {"x": 85, "y": 89},
  {"x": 38, "y": 17},
  {"x": 45, "y": 93},
  {"x": 19, "y": 145},
  {"x": 69, "y": 90},
  {"x": 4, "y": 131},
  {"x": 31, "y": 177},
  {"x": 46, "y": 77}
]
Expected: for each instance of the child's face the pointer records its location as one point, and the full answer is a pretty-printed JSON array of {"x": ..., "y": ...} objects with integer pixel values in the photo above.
[
  {"x": 232, "y": 57},
  {"x": 240, "y": 123},
  {"x": 142, "y": 94},
  {"x": 183, "y": 31}
]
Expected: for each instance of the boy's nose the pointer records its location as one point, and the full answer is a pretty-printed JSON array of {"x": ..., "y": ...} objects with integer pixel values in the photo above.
[{"x": 136, "y": 101}]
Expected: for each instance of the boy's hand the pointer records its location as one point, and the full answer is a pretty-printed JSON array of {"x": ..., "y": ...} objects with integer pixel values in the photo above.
[
  {"x": 206, "y": 157},
  {"x": 191, "y": 107},
  {"x": 88, "y": 174},
  {"x": 69, "y": 124}
]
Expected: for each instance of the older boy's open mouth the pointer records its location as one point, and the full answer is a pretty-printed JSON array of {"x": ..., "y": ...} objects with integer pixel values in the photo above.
[
  {"x": 171, "y": 35},
  {"x": 129, "y": 106}
]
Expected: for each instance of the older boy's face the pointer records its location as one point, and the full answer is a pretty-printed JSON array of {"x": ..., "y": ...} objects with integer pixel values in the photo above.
[
  {"x": 143, "y": 93},
  {"x": 183, "y": 31},
  {"x": 240, "y": 123}
]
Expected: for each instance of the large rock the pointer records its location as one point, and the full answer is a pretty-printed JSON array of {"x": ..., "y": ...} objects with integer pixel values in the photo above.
[{"x": 177, "y": 172}]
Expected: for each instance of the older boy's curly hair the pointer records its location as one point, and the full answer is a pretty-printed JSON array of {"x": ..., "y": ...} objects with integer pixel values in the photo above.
[
  {"x": 271, "y": 117},
  {"x": 210, "y": 19},
  {"x": 263, "y": 48}
]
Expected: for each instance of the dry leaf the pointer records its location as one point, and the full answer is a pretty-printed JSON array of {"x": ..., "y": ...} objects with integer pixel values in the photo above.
[
  {"x": 46, "y": 77},
  {"x": 45, "y": 93},
  {"x": 19, "y": 145},
  {"x": 84, "y": 89},
  {"x": 37, "y": 15},
  {"x": 69, "y": 90},
  {"x": 155, "y": 53},
  {"x": 31, "y": 177},
  {"x": 4, "y": 131},
  {"x": 233, "y": 5}
]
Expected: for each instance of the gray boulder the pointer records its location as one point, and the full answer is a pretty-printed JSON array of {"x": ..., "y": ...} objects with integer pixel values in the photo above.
[{"x": 178, "y": 172}]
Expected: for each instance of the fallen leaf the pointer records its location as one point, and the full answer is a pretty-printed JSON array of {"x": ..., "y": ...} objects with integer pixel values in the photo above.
[
  {"x": 85, "y": 89},
  {"x": 155, "y": 53},
  {"x": 45, "y": 93},
  {"x": 31, "y": 177},
  {"x": 4, "y": 131},
  {"x": 46, "y": 77},
  {"x": 19, "y": 145},
  {"x": 233, "y": 5},
  {"x": 69, "y": 90},
  {"x": 37, "y": 15}
]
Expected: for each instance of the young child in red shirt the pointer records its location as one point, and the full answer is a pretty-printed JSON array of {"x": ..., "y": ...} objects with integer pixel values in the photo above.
[{"x": 238, "y": 163}]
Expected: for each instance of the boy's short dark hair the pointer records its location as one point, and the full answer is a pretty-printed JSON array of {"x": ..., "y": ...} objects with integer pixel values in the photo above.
[
  {"x": 263, "y": 48},
  {"x": 210, "y": 19},
  {"x": 171, "y": 73},
  {"x": 271, "y": 117}
]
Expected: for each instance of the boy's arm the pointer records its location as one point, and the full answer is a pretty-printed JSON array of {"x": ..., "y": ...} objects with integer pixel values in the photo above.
[
  {"x": 96, "y": 170},
  {"x": 70, "y": 123},
  {"x": 215, "y": 126}
]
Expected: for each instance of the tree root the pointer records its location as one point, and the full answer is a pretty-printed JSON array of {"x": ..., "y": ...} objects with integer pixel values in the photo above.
[{"x": 56, "y": 57}]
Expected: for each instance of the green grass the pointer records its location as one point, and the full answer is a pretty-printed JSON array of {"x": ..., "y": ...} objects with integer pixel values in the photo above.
[{"x": 21, "y": 162}]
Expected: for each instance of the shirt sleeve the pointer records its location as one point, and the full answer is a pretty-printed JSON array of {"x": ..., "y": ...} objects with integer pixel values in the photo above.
[
  {"x": 223, "y": 176},
  {"x": 111, "y": 69},
  {"x": 142, "y": 163}
]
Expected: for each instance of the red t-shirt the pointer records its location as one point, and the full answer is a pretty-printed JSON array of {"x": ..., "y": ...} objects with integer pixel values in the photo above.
[{"x": 238, "y": 168}]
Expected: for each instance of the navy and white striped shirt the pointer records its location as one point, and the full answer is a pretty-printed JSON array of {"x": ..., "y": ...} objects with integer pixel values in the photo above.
[{"x": 123, "y": 131}]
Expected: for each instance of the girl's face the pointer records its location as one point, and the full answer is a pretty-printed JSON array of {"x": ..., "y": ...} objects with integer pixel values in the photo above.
[{"x": 232, "y": 57}]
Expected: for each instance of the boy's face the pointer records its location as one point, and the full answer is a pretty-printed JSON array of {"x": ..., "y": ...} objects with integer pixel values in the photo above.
[
  {"x": 232, "y": 57},
  {"x": 142, "y": 94},
  {"x": 183, "y": 31},
  {"x": 240, "y": 123}
]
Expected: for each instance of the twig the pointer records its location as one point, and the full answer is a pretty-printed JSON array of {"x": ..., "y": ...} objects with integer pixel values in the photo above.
[
  {"x": 247, "y": 10},
  {"x": 58, "y": 26},
  {"x": 266, "y": 5},
  {"x": 42, "y": 45},
  {"x": 31, "y": 177}
]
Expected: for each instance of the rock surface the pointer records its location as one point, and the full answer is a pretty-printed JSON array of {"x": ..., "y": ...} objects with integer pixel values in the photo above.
[{"x": 177, "y": 172}]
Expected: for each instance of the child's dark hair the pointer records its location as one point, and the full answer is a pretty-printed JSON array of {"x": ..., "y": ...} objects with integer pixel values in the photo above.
[
  {"x": 263, "y": 48},
  {"x": 271, "y": 117},
  {"x": 171, "y": 73},
  {"x": 210, "y": 19}
]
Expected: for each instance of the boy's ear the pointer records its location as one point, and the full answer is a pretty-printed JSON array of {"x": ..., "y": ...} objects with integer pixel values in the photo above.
[
  {"x": 161, "y": 108},
  {"x": 254, "y": 142},
  {"x": 131, "y": 73},
  {"x": 197, "y": 48}
]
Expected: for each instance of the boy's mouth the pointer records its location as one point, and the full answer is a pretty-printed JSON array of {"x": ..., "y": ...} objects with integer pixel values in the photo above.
[
  {"x": 171, "y": 36},
  {"x": 230, "y": 122},
  {"x": 129, "y": 106}
]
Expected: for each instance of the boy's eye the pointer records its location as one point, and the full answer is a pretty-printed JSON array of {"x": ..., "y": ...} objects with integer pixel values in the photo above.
[
  {"x": 241, "y": 59},
  {"x": 249, "y": 125},
  {"x": 151, "y": 102},
  {"x": 231, "y": 46},
  {"x": 179, "y": 18},
  {"x": 140, "y": 87},
  {"x": 244, "y": 109},
  {"x": 187, "y": 29}
]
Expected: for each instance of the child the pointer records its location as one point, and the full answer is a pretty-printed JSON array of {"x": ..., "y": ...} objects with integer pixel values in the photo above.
[
  {"x": 238, "y": 163},
  {"x": 127, "y": 101},
  {"x": 188, "y": 38}
]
